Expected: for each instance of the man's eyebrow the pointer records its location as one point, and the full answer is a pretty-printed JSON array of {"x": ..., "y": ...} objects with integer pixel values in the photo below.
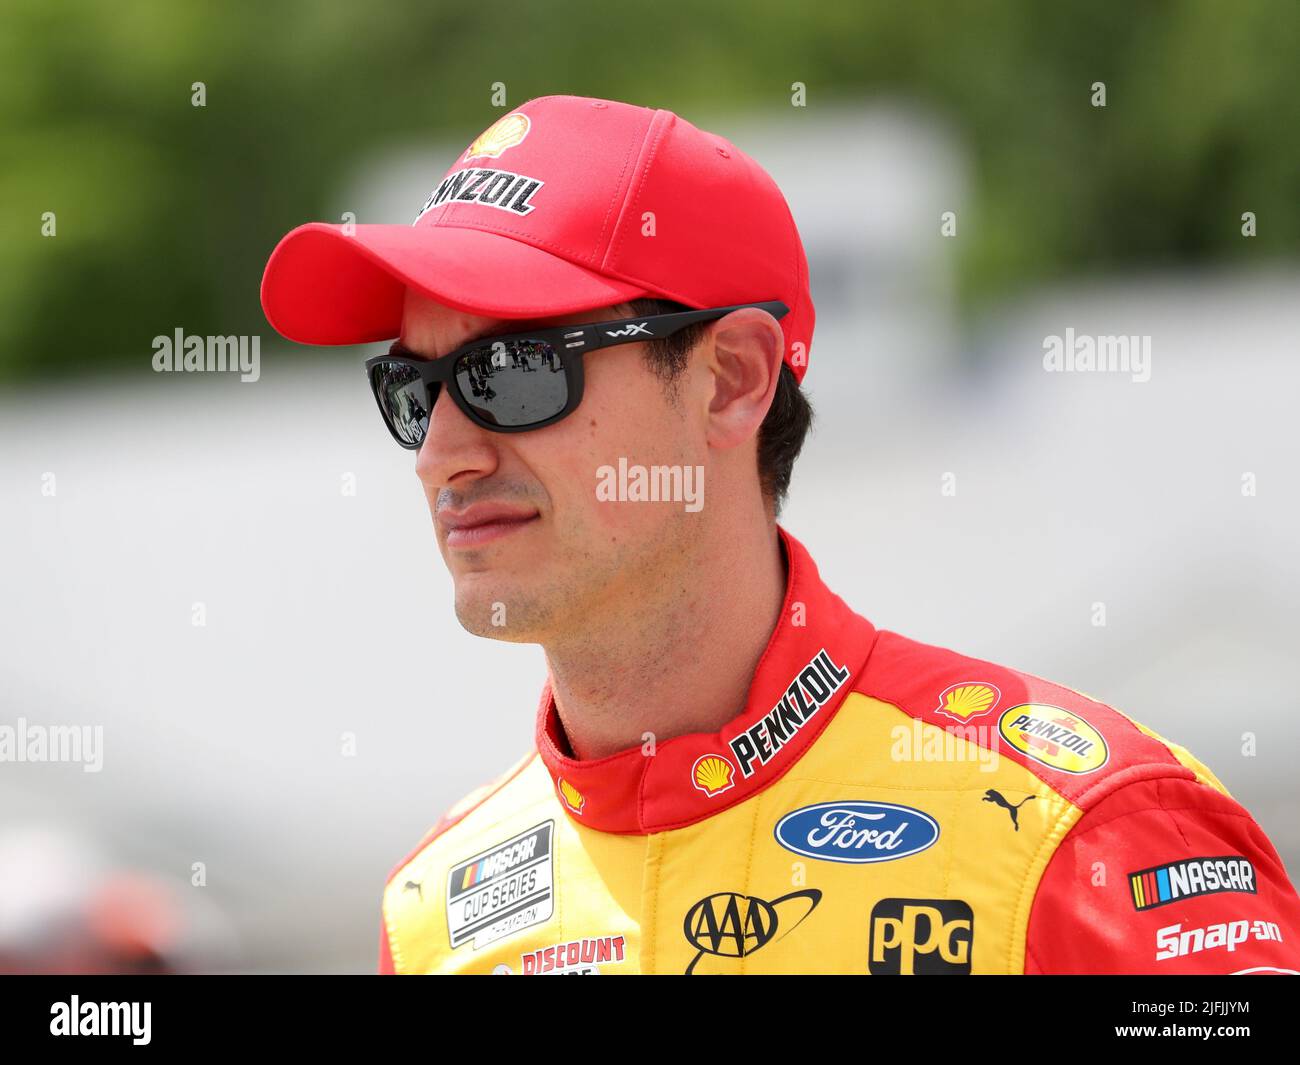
[{"x": 402, "y": 351}]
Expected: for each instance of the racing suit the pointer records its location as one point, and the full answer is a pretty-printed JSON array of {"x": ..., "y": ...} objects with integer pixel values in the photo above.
[{"x": 879, "y": 806}]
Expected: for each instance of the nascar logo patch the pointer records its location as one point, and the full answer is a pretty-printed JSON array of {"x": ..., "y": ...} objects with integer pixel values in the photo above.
[{"x": 1163, "y": 884}]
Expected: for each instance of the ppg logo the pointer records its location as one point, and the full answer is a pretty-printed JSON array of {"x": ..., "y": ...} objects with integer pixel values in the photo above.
[{"x": 922, "y": 937}]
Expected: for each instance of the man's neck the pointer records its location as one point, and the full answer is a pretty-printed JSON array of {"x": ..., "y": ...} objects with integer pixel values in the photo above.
[{"x": 680, "y": 664}]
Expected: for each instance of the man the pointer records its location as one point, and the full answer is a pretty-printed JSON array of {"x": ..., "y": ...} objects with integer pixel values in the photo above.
[{"x": 604, "y": 318}]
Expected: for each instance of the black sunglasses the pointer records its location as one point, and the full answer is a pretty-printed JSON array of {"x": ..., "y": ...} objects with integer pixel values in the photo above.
[{"x": 510, "y": 384}]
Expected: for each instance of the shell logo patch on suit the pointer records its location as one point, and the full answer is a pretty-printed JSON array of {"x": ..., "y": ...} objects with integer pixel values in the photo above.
[
  {"x": 920, "y": 864},
  {"x": 572, "y": 796},
  {"x": 961, "y": 702},
  {"x": 712, "y": 774}
]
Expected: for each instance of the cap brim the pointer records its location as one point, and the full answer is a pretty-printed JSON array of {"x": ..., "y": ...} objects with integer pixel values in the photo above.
[{"x": 326, "y": 286}]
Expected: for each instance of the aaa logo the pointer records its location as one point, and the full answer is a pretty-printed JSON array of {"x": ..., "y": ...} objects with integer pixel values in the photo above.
[{"x": 729, "y": 925}]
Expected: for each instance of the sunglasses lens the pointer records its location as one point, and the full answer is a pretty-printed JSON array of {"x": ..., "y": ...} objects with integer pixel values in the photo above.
[
  {"x": 515, "y": 383},
  {"x": 403, "y": 399}
]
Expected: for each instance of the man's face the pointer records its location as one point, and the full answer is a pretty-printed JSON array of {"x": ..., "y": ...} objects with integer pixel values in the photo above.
[{"x": 534, "y": 553}]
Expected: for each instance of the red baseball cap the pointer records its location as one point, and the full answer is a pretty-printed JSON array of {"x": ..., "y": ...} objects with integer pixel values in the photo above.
[{"x": 563, "y": 205}]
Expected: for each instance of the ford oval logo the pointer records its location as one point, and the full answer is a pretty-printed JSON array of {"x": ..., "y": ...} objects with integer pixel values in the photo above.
[{"x": 857, "y": 832}]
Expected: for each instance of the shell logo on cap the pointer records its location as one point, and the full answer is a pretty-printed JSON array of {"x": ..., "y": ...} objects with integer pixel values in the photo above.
[
  {"x": 966, "y": 700},
  {"x": 713, "y": 774},
  {"x": 504, "y": 133},
  {"x": 573, "y": 798}
]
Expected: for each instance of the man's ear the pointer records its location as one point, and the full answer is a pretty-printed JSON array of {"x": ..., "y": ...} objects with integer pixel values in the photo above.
[{"x": 745, "y": 360}]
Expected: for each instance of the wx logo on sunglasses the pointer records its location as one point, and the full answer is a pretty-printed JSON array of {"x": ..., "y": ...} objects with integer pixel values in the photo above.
[{"x": 630, "y": 331}]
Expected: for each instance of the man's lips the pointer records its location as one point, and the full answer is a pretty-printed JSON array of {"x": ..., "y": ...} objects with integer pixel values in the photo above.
[{"x": 478, "y": 524}]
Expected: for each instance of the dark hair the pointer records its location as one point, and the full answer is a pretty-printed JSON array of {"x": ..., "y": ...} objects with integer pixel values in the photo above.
[{"x": 780, "y": 437}]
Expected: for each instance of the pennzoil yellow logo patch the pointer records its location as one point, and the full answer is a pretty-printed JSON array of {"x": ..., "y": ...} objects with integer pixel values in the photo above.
[{"x": 1055, "y": 737}]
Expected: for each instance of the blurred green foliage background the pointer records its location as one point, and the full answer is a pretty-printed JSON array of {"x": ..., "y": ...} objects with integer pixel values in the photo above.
[{"x": 166, "y": 212}]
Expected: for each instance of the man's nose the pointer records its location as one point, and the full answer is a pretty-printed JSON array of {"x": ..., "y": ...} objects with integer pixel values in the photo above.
[{"x": 455, "y": 450}]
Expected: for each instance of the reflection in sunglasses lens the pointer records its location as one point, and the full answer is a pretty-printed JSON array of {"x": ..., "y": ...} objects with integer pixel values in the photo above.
[
  {"x": 521, "y": 382},
  {"x": 403, "y": 398}
]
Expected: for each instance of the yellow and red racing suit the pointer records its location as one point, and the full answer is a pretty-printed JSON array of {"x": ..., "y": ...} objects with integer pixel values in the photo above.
[{"x": 879, "y": 806}]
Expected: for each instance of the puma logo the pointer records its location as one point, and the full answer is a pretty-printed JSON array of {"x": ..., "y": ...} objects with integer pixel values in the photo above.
[
  {"x": 996, "y": 798},
  {"x": 418, "y": 885}
]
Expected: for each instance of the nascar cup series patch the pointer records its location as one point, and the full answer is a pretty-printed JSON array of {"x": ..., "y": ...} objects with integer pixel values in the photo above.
[
  {"x": 1055, "y": 737},
  {"x": 503, "y": 890}
]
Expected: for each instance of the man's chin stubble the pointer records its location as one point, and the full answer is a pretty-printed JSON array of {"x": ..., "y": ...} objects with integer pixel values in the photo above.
[
  {"x": 510, "y": 617},
  {"x": 554, "y": 609}
]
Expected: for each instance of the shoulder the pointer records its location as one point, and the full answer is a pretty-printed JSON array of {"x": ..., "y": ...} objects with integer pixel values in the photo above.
[
  {"x": 480, "y": 808},
  {"x": 1082, "y": 748},
  {"x": 1132, "y": 822},
  {"x": 415, "y": 933}
]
